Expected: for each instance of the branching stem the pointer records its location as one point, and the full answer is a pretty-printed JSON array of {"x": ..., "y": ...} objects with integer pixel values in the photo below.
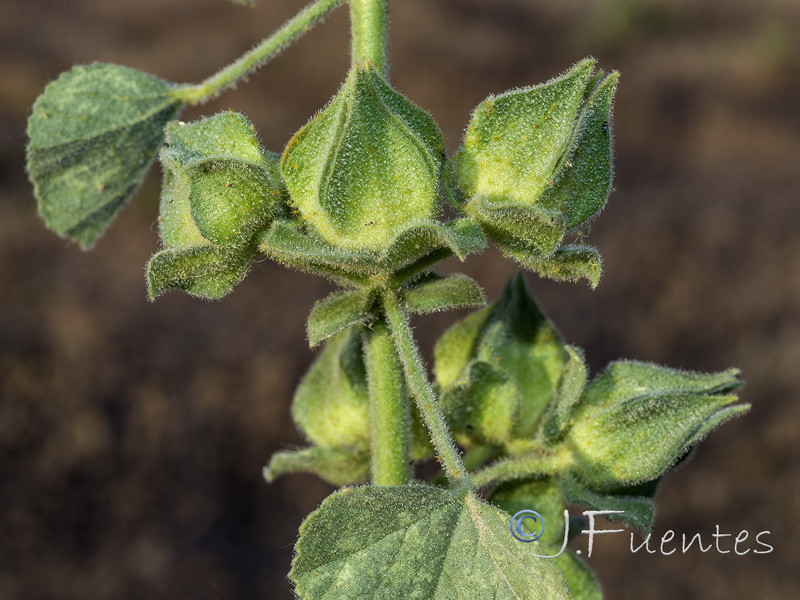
[
  {"x": 539, "y": 463},
  {"x": 422, "y": 392},
  {"x": 258, "y": 56}
]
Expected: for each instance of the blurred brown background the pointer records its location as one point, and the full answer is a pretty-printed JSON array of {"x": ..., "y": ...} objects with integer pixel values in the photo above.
[{"x": 132, "y": 435}]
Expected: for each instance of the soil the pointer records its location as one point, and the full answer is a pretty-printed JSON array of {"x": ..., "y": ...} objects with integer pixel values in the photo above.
[{"x": 132, "y": 434}]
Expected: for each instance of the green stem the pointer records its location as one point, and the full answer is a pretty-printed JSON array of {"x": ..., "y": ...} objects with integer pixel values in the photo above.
[
  {"x": 369, "y": 21},
  {"x": 301, "y": 23},
  {"x": 536, "y": 464},
  {"x": 389, "y": 416},
  {"x": 422, "y": 392}
]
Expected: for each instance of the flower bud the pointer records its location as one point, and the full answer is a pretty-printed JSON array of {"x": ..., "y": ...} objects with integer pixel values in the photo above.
[
  {"x": 636, "y": 420},
  {"x": 536, "y": 162},
  {"x": 220, "y": 189},
  {"x": 219, "y": 186},
  {"x": 331, "y": 404},
  {"x": 500, "y": 368},
  {"x": 366, "y": 167}
]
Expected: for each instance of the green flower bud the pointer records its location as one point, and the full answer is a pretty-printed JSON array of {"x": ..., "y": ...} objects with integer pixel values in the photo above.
[
  {"x": 515, "y": 343},
  {"x": 220, "y": 190},
  {"x": 331, "y": 404},
  {"x": 536, "y": 162},
  {"x": 219, "y": 186},
  {"x": 367, "y": 167},
  {"x": 636, "y": 420}
]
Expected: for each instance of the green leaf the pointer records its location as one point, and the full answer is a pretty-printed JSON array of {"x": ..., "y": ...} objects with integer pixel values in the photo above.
[
  {"x": 567, "y": 263},
  {"x": 377, "y": 542},
  {"x": 338, "y": 311},
  {"x": 433, "y": 292},
  {"x": 528, "y": 460},
  {"x": 570, "y": 390},
  {"x": 331, "y": 404},
  {"x": 93, "y": 134},
  {"x": 219, "y": 184},
  {"x": 638, "y": 439},
  {"x": 204, "y": 271},
  {"x": 423, "y": 244},
  {"x": 367, "y": 166},
  {"x": 637, "y": 503},
  {"x": 484, "y": 408},
  {"x": 582, "y": 581},
  {"x": 516, "y": 141},
  {"x": 337, "y": 466},
  {"x": 545, "y": 497}
]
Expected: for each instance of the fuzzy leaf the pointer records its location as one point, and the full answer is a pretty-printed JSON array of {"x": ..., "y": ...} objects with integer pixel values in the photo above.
[
  {"x": 638, "y": 439},
  {"x": 205, "y": 271},
  {"x": 433, "y": 293},
  {"x": 570, "y": 390},
  {"x": 416, "y": 542},
  {"x": 335, "y": 465},
  {"x": 331, "y": 404},
  {"x": 336, "y": 312},
  {"x": 421, "y": 245},
  {"x": 286, "y": 243},
  {"x": 367, "y": 166},
  {"x": 219, "y": 184},
  {"x": 582, "y": 582},
  {"x": 93, "y": 134},
  {"x": 567, "y": 263},
  {"x": 516, "y": 141},
  {"x": 524, "y": 463},
  {"x": 484, "y": 408},
  {"x": 637, "y": 503}
]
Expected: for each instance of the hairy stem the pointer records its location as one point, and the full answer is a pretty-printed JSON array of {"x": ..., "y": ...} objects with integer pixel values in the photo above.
[
  {"x": 259, "y": 55},
  {"x": 541, "y": 462},
  {"x": 422, "y": 392},
  {"x": 369, "y": 26},
  {"x": 390, "y": 422}
]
